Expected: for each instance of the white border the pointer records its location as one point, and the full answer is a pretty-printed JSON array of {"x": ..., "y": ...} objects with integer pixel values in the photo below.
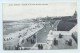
[{"x": 38, "y": 51}]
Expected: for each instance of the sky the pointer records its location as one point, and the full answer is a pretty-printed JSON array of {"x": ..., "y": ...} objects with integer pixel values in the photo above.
[{"x": 21, "y": 11}]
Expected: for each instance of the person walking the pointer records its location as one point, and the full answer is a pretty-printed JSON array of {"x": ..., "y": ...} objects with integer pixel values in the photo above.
[
  {"x": 38, "y": 46},
  {"x": 41, "y": 46}
]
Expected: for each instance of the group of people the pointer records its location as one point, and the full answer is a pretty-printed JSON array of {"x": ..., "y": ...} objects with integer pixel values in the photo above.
[
  {"x": 7, "y": 39},
  {"x": 66, "y": 42},
  {"x": 17, "y": 47},
  {"x": 32, "y": 39},
  {"x": 40, "y": 46},
  {"x": 69, "y": 42}
]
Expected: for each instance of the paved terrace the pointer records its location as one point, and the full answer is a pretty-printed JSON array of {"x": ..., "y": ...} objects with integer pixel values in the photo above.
[{"x": 48, "y": 43}]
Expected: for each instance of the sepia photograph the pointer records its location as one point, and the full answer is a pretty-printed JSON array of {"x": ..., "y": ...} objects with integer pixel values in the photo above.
[{"x": 40, "y": 26}]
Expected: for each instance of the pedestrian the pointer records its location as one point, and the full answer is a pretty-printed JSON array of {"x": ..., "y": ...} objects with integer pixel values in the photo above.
[
  {"x": 4, "y": 39},
  {"x": 41, "y": 47},
  {"x": 55, "y": 41},
  {"x": 70, "y": 42},
  {"x": 22, "y": 41},
  {"x": 60, "y": 36},
  {"x": 38, "y": 46}
]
